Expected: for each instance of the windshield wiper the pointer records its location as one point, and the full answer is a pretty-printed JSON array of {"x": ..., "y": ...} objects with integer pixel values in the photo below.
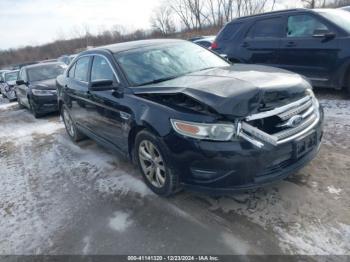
[{"x": 158, "y": 80}]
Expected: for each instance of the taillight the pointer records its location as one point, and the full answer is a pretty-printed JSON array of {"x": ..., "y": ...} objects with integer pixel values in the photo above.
[{"x": 214, "y": 45}]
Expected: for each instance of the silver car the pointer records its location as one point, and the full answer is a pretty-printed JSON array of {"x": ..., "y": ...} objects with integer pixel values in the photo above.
[
  {"x": 8, "y": 87},
  {"x": 2, "y": 80}
]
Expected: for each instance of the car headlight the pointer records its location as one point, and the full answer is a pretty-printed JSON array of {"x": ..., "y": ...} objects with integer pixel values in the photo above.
[
  {"x": 314, "y": 99},
  {"x": 217, "y": 132},
  {"x": 39, "y": 92}
]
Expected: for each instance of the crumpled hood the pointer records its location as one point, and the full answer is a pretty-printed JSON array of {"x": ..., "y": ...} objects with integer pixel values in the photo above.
[
  {"x": 238, "y": 90},
  {"x": 49, "y": 84}
]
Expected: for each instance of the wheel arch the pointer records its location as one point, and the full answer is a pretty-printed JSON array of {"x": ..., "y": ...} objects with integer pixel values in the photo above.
[
  {"x": 133, "y": 133},
  {"x": 343, "y": 74}
]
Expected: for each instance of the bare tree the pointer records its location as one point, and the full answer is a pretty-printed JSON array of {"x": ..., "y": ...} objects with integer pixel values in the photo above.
[
  {"x": 162, "y": 20},
  {"x": 314, "y": 3}
]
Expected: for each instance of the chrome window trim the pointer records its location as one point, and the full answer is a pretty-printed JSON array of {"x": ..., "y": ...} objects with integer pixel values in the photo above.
[{"x": 92, "y": 55}]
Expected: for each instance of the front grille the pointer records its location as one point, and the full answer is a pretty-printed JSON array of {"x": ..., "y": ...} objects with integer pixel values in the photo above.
[{"x": 282, "y": 124}]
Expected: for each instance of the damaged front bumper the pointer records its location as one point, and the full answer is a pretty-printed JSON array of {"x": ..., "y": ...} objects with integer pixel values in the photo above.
[{"x": 244, "y": 163}]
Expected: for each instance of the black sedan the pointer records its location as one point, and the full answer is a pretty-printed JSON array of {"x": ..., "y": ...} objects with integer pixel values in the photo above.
[
  {"x": 36, "y": 87},
  {"x": 189, "y": 118}
]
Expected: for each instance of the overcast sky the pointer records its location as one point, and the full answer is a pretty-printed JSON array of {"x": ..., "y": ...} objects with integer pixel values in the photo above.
[{"x": 34, "y": 22}]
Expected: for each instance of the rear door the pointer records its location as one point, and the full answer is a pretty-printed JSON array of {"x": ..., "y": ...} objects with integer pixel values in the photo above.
[
  {"x": 77, "y": 90},
  {"x": 304, "y": 53},
  {"x": 262, "y": 41}
]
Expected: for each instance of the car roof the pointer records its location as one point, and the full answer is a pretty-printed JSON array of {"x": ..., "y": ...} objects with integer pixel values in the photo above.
[
  {"x": 242, "y": 18},
  {"x": 12, "y": 71},
  {"x": 120, "y": 47},
  {"x": 42, "y": 64}
]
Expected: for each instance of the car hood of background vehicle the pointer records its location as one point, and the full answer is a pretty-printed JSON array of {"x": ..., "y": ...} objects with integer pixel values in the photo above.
[
  {"x": 237, "y": 90},
  {"x": 49, "y": 84}
]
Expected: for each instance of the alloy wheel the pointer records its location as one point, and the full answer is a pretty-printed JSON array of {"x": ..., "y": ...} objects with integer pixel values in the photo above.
[{"x": 152, "y": 164}]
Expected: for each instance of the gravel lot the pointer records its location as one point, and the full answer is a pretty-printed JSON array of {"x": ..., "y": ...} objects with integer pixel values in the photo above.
[{"x": 60, "y": 198}]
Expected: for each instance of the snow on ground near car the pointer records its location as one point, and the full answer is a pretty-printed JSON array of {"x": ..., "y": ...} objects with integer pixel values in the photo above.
[
  {"x": 6, "y": 106},
  {"x": 57, "y": 197}
]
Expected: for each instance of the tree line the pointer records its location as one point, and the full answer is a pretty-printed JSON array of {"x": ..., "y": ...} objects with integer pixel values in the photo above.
[{"x": 172, "y": 18}]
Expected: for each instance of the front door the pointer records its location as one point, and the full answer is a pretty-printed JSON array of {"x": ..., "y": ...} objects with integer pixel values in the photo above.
[
  {"x": 109, "y": 118},
  {"x": 304, "y": 52}
]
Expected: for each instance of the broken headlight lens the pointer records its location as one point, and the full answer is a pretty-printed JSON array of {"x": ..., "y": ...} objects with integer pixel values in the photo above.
[{"x": 217, "y": 132}]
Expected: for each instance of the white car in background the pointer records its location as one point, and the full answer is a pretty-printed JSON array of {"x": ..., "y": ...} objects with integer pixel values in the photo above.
[
  {"x": 2, "y": 79},
  {"x": 346, "y": 8},
  {"x": 8, "y": 87},
  {"x": 205, "y": 41}
]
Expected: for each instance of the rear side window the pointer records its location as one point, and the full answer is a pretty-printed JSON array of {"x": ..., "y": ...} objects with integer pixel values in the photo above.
[
  {"x": 267, "y": 28},
  {"x": 81, "y": 69},
  {"x": 229, "y": 31},
  {"x": 304, "y": 26}
]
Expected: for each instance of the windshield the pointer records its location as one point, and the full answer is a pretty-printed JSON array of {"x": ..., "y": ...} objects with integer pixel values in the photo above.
[
  {"x": 339, "y": 17},
  {"x": 13, "y": 76},
  {"x": 44, "y": 72},
  {"x": 156, "y": 64}
]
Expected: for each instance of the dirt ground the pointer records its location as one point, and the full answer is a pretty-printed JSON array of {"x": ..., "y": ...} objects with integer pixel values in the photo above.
[{"x": 57, "y": 197}]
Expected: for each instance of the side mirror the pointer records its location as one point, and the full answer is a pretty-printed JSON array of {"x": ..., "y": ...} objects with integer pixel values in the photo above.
[
  {"x": 322, "y": 33},
  {"x": 102, "y": 85},
  {"x": 20, "y": 82}
]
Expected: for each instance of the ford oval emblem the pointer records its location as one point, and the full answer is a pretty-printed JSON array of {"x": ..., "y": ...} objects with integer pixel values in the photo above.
[{"x": 295, "y": 121}]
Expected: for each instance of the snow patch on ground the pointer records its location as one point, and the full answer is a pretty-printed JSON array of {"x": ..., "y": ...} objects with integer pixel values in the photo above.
[
  {"x": 237, "y": 245},
  {"x": 333, "y": 190},
  {"x": 122, "y": 186},
  {"x": 8, "y": 106},
  {"x": 15, "y": 128},
  {"x": 294, "y": 216},
  {"x": 87, "y": 244},
  {"x": 120, "y": 221}
]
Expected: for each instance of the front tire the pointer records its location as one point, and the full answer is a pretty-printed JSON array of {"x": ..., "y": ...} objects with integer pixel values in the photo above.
[
  {"x": 347, "y": 85},
  {"x": 33, "y": 108},
  {"x": 155, "y": 165},
  {"x": 72, "y": 131}
]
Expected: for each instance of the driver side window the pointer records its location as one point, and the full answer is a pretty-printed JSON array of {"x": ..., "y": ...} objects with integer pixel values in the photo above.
[
  {"x": 101, "y": 70},
  {"x": 304, "y": 26}
]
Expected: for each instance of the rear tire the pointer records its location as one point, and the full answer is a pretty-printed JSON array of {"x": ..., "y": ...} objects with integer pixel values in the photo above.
[
  {"x": 72, "y": 130},
  {"x": 155, "y": 165}
]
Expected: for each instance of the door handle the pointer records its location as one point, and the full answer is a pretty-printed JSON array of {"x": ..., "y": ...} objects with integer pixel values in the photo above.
[{"x": 291, "y": 44}]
